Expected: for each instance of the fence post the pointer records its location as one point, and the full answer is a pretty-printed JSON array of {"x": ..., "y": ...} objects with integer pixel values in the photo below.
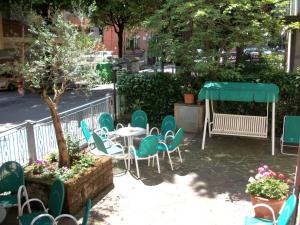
[
  {"x": 31, "y": 141},
  {"x": 108, "y": 104},
  {"x": 92, "y": 116}
]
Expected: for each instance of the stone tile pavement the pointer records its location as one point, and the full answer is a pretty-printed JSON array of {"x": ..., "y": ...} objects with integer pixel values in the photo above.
[{"x": 207, "y": 188}]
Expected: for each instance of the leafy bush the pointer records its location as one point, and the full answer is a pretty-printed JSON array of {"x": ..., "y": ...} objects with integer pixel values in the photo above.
[
  {"x": 73, "y": 148},
  {"x": 153, "y": 93},
  {"x": 104, "y": 71}
]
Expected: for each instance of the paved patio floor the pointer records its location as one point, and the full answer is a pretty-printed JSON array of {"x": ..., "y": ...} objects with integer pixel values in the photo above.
[{"x": 207, "y": 188}]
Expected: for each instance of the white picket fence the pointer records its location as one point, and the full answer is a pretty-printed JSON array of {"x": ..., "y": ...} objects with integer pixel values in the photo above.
[{"x": 35, "y": 139}]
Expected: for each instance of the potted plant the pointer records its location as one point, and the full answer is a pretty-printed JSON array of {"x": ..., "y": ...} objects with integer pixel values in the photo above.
[
  {"x": 268, "y": 187},
  {"x": 188, "y": 94}
]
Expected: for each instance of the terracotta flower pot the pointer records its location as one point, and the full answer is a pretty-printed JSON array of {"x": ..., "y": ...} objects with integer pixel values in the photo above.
[
  {"x": 189, "y": 98},
  {"x": 262, "y": 212}
]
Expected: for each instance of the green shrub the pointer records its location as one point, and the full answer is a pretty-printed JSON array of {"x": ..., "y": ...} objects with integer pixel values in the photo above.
[
  {"x": 73, "y": 148},
  {"x": 153, "y": 93},
  {"x": 289, "y": 101},
  {"x": 104, "y": 71}
]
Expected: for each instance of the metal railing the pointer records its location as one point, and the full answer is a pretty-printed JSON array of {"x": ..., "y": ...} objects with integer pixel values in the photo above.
[{"x": 35, "y": 139}]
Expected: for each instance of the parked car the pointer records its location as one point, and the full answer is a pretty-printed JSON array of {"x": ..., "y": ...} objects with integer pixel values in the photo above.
[{"x": 8, "y": 82}]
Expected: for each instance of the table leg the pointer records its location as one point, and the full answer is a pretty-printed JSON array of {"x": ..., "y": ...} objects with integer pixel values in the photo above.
[
  {"x": 2, "y": 214},
  {"x": 130, "y": 143}
]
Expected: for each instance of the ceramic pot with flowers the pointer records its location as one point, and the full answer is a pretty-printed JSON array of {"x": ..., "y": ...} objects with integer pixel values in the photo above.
[{"x": 270, "y": 188}]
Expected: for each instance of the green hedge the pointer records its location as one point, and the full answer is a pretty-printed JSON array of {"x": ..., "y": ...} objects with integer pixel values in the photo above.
[
  {"x": 289, "y": 85},
  {"x": 153, "y": 93},
  {"x": 156, "y": 93}
]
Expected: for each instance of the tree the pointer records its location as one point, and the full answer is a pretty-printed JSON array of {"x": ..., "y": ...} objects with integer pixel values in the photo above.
[
  {"x": 123, "y": 14},
  {"x": 54, "y": 64},
  {"x": 214, "y": 27}
]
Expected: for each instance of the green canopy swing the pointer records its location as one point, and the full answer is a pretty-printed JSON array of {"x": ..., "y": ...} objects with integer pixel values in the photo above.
[{"x": 233, "y": 124}]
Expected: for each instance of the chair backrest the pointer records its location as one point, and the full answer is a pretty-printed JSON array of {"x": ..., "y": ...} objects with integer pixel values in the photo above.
[
  {"x": 139, "y": 119},
  {"x": 148, "y": 146},
  {"x": 178, "y": 138},
  {"x": 105, "y": 120},
  {"x": 85, "y": 130},
  {"x": 56, "y": 198},
  {"x": 168, "y": 123},
  {"x": 287, "y": 210},
  {"x": 291, "y": 129},
  {"x": 86, "y": 214},
  {"x": 11, "y": 177},
  {"x": 99, "y": 143}
]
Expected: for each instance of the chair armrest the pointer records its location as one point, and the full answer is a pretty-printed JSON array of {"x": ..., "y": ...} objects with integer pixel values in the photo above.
[
  {"x": 119, "y": 125},
  {"x": 42, "y": 216},
  {"x": 66, "y": 216},
  {"x": 104, "y": 131},
  {"x": 169, "y": 133},
  {"x": 33, "y": 200},
  {"x": 269, "y": 208},
  {"x": 131, "y": 147},
  {"x": 119, "y": 145},
  {"x": 22, "y": 191},
  {"x": 172, "y": 137},
  {"x": 163, "y": 143},
  {"x": 154, "y": 129}
]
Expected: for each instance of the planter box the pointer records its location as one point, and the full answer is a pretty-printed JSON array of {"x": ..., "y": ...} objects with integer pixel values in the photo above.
[
  {"x": 78, "y": 189},
  {"x": 190, "y": 117}
]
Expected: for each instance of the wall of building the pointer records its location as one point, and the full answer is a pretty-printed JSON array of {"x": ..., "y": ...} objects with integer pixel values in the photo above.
[{"x": 110, "y": 40}]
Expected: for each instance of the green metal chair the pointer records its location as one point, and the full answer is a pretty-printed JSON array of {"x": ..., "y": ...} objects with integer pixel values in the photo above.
[
  {"x": 291, "y": 133},
  {"x": 172, "y": 145},
  {"x": 47, "y": 219},
  {"x": 85, "y": 218},
  {"x": 115, "y": 150},
  {"x": 107, "y": 124},
  {"x": 139, "y": 119},
  {"x": 55, "y": 204},
  {"x": 168, "y": 127},
  {"x": 146, "y": 151},
  {"x": 88, "y": 137},
  {"x": 86, "y": 133},
  {"x": 284, "y": 217},
  {"x": 12, "y": 182}
]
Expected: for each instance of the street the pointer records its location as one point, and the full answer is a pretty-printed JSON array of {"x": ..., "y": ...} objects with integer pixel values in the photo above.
[{"x": 15, "y": 110}]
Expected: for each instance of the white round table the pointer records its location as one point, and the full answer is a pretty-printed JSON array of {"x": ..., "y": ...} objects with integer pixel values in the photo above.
[{"x": 2, "y": 214}]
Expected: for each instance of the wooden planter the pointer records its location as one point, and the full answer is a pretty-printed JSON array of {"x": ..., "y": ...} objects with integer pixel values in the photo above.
[
  {"x": 78, "y": 189},
  {"x": 189, "y": 98},
  {"x": 261, "y": 212}
]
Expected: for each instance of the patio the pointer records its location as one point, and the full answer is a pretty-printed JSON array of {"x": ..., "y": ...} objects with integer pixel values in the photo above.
[{"x": 208, "y": 188}]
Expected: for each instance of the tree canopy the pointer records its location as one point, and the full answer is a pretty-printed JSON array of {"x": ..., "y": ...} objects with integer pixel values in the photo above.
[
  {"x": 123, "y": 14},
  {"x": 196, "y": 33}
]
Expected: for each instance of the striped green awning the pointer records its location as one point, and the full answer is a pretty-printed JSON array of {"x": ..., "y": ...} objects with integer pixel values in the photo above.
[{"x": 242, "y": 92}]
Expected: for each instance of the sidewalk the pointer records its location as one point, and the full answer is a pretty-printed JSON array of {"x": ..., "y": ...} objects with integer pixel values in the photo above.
[{"x": 15, "y": 109}]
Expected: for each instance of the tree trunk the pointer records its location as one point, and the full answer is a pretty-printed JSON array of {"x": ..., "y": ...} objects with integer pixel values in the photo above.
[
  {"x": 120, "y": 40},
  {"x": 239, "y": 55},
  {"x": 1, "y": 33},
  {"x": 64, "y": 159}
]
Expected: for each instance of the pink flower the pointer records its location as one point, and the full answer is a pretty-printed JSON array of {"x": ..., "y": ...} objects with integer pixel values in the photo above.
[
  {"x": 281, "y": 176},
  {"x": 272, "y": 174},
  {"x": 266, "y": 174},
  {"x": 261, "y": 170},
  {"x": 266, "y": 167}
]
